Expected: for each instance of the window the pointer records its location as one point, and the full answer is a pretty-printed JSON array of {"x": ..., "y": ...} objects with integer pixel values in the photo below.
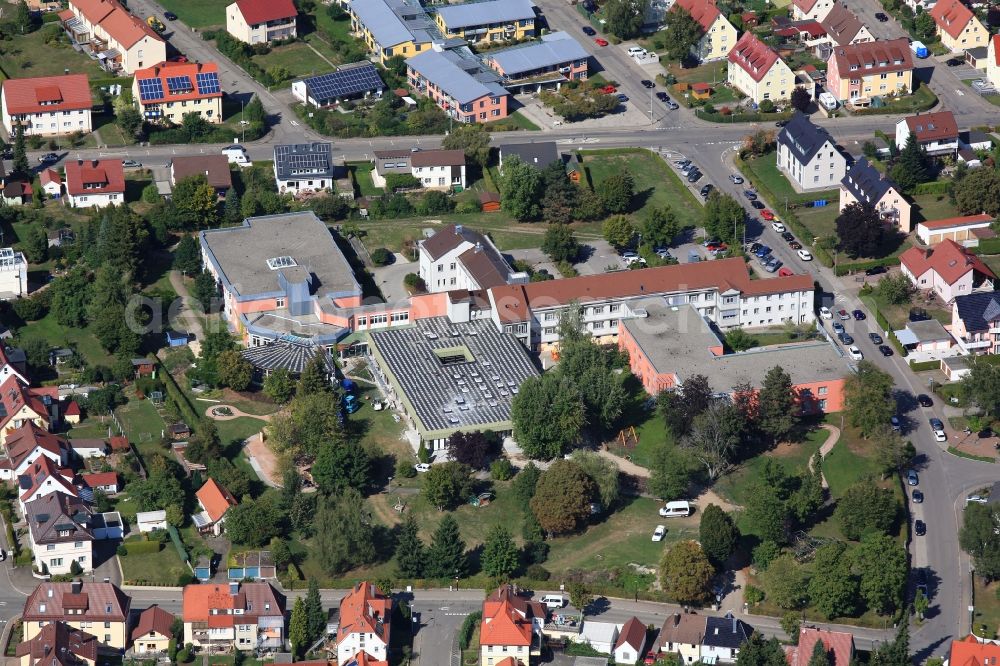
[
  {"x": 614, "y": 307},
  {"x": 822, "y": 390},
  {"x": 279, "y": 302}
]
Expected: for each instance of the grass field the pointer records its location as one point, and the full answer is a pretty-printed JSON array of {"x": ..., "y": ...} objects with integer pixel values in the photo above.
[
  {"x": 162, "y": 568},
  {"x": 987, "y": 609},
  {"x": 850, "y": 461},
  {"x": 794, "y": 457},
  {"x": 297, "y": 58},
  {"x": 363, "y": 177},
  {"x": 198, "y": 13},
  {"x": 48, "y": 329},
  {"x": 765, "y": 170},
  {"x": 656, "y": 184},
  {"x": 28, "y": 55},
  {"x": 515, "y": 121},
  {"x": 239, "y": 429},
  {"x": 932, "y": 207}
]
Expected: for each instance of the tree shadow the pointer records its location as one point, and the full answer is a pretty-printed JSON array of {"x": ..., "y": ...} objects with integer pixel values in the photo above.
[{"x": 639, "y": 200}]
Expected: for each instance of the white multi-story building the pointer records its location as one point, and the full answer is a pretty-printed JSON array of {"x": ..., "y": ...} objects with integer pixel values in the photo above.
[
  {"x": 460, "y": 258},
  {"x": 435, "y": 169},
  {"x": 13, "y": 273},
  {"x": 364, "y": 623},
  {"x": 59, "y": 533},
  {"x": 261, "y": 21},
  {"x": 47, "y": 105},
  {"x": 95, "y": 183},
  {"x": 120, "y": 41},
  {"x": 808, "y": 156}
]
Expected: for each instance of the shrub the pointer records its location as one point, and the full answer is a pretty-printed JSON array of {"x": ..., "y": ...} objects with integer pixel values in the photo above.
[
  {"x": 381, "y": 256},
  {"x": 764, "y": 554},
  {"x": 468, "y": 627},
  {"x": 414, "y": 283},
  {"x": 537, "y": 572},
  {"x": 753, "y": 595},
  {"x": 501, "y": 470},
  {"x": 405, "y": 469},
  {"x": 122, "y": 550}
]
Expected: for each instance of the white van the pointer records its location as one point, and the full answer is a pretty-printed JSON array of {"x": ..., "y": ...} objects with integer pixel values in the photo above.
[
  {"x": 636, "y": 51},
  {"x": 553, "y": 601},
  {"x": 677, "y": 509}
]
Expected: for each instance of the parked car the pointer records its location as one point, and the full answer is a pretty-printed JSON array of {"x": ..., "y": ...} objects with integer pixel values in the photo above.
[
  {"x": 647, "y": 84},
  {"x": 673, "y": 106},
  {"x": 762, "y": 251},
  {"x": 855, "y": 353},
  {"x": 936, "y": 423},
  {"x": 758, "y": 205},
  {"x": 773, "y": 265},
  {"x": 845, "y": 338},
  {"x": 785, "y": 272},
  {"x": 694, "y": 175},
  {"x": 753, "y": 247},
  {"x": 659, "y": 532},
  {"x": 842, "y": 313},
  {"x": 911, "y": 477},
  {"x": 940, "y": 436},
  {"x": 662, "y": 96},
  {"x": 919, "y": 528},
  {"x": 805, "y": 255},
  {"x": 777, "y": 226},
  {"x": 875, "y": 270},
  {"x": 422, "y": 467},
  {"x": 609, "y": 89},
  {"x": 824, "y": 313},
  {"x": 170, "y": 16},
  {"x": 787, "y": 236},
  {"x": 976, "y": 499},
  {"x": 886, "y": 350},
  {"x": 750, "y": 195},
  {"x": 795, "y": 245},
  {"x": 838, "y": 328},
  {"x": 622, "y": 97},
  {"x": 858, "y": 315},
  {"x": 895, "y": 423},
  {"x": 131, "y": 164},
  {"x": 48, "y": 158},
  {"x": 682, "y": 163},
  {"x": 767, "y": 215},
  {"x": 881, "y": 17},
  {"x": 875, "y": 338},
  {"x": 924, "y": 400},
  {"x": 601, "y": 42},
  {"x": 736, "y": 180},
  {"x": 918, "y": 497},
  {"x": 706, "y": 190}
]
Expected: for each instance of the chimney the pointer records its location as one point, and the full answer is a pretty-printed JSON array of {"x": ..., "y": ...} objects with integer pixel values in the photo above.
[
  {"x": 479, "y": 246},
  {"x": 77, "y": 586}
]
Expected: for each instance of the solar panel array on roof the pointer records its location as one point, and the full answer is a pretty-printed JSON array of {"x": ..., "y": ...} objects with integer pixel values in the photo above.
[
  {"x": 150, "y": 89},
  {"x": 208, "y": 83},
  {"x": 179, "y": 84},
  {"x": 344, "y": 83}
]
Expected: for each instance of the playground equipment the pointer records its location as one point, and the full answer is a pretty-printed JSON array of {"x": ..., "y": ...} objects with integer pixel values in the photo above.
[{"x": 483, "y": 499}]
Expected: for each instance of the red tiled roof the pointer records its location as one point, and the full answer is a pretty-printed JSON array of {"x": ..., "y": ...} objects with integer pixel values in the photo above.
[
  {"x": 633, "y": 634},
  {"x": 97, "y": 479},
  {"x": 99, "y": 602},
  {"x": 55, "y": 642},
  {"x": 69, "y": 92},
  {"x": 360, "y": 612},
  {"x": 216, "y": 499},
  {"x": 872, "y": 58},
  {"x": 804, "y": 6},
  {"x": 104, "y": 176},
  {"x": 949, "y": 222},
  {"x": 527, "y": 608},
  {"x": 995, "y": 40},
  {"x": 127, "y": 29},
  {"x": 73, "y": 408},
  {"x": 118, "y": 443},
  {"x": 840, "y": 643},
  {"x": 951, "y": 16},
  {"x": 166, "y": 70},
  {"x": 153, "y": 619},
  {"x": 362, "y": 658},
  {"x": 66, "y": 15},
  {"x": 504, "y": 626},
  {"x": 14, "y": 395},
  {"x": 970, "y": 651},
  {"x": 93, "y": 10},
  {"x": 51, "y": 176},
  {"x": 754, "y": 56},
  {"x": 262, "y": 11},
  {"x": 23, "y": 441},
  {"x": 933, "y": 126},
  {"x": 43, "y": 470},
  {"x": 200, "y": 599},
  {"x": 703, "y": 11},
  {"x": 510, "y": 661},
  {"x": 948, "y": 259}
]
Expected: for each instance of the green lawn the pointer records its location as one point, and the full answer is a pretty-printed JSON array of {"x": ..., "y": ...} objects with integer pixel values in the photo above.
[
  {"x": 987, "y": 609},
  {"x": 922, "y": 99},
  {"x": 238, "y": 429},
  {"x": 197, "y": 13},
  {"x": 162, "y": 568},
  {"x": 899, "y": 315},
  {"x": 821, "y": 222},
  {"x": 849, "y": 462},
  {"x": 28, "y": 55},
  {"x": 765, "y": 171},
  {"x": 296, "y": 57},
  {"x": 515, "y": 121},
  {"x": 143, "y": 425},
  {"x": 656, "y": 184},
  {"x": 932, "y": 207},
  {"x": 363, "y": 177},
  {"x": 794, "y": 457},
  {"x": 86, "y": 344}
]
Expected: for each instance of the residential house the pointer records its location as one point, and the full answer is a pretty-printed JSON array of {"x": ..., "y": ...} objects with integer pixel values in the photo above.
[
  {"x": 457, "y": 257},
  {"x": 459, "y": 84},
  {"x": 47, "y": 105},
  {"x": 168, "y": 91},
  {"x": 537, "y": 154},
  {"x": 51, "y": 182},
  {"x": 487, "y": 21},
  {"x": 975, "y": 322},
  {"x": 214, "y": 501},
  {"x": 868, "y": 186},
  {"x": 43, "y": 477},
  {"x": 392, "y": 27},
  {"x": 947, "y": 269},
  {"x": 723, "y": 638},
  {"x": 153, "y": 632},
  {"x": 719, "y": 35},
  {"x": 95, "y": 183},
  {"x": 147, "y": 521},
  {"x": 108, "y": 483},
  {"x": 304, "y": 167},
  {"x": 549, "y": 62},
  {"x": 261, "y": 21},
  {"x": 94, "y": 607},
  {"x": 350, "y": 81},
  {"x": 599, "y": 635},
  {"x": 958, "y": 28},
  {"x": 808, "y": 156},
  {"x": 58, "y": 644},
  {"x": 811, "y": 10},
  {"x": 681, "y": 634},
  {"x": 631, "y": 642},
  {"x": 60, "y": 532},
  {"x": 121, "y": 42},
  {"x": 504, "y": 633},
  {"x": 364, "y": 626},
  {"x": 12, "y": 361},
  {"x": 843, "y": 27},
  {"x": 25, "y": 443},
  {"x": 973, "y": 651},
  {"x": 857, "y": 72},
  {"x": 17, "y": 192},
  {"x": 84, "y": 448},
  {"x": 757, "y": 71},
  {"x": 13, "y": 274},
  {"x": 936, "y": 132},
  {"x": 925, "y": 340},
  {"x": 435, "y": 169},
  {"x": 72, "y": 413},
  {"x": 215, "y": 169},
  {"x": 23, "y": 404},
  {"x": 667, "y": 342},
  {"x": 838, "y": 645},
  {"x": 242, "y": 616},
  {"x": 993, "y": 61},
  {"x": 966, "y": 230}
]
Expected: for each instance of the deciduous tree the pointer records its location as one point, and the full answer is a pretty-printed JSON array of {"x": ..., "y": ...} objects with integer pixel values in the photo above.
[
  {"x": 624, "y": 18},
  {"x": 881, "y": 563},
  {"x": 446, "y": 485},
  {"x": 765, "y": 513},
  {"x": 686, "y": 574},
  {"x": 473, "y": 139},
  {"x": 672, "y": 471},
  {"x": 979, "y": 539},
  {"x": 866, "y": 508},
  {"x": 340, "y": 465},
  {"x": 660, "y": 226},
  {"x": 603, "y": 472},
  {"x": 777, "y": 409},
  {"x": 786, "y": 583},
  {"x": 315, "y": 377},
  {"x": 714, "y": 436},
  {"x": 616, "y": 192},
  {"x": 801, "y": 99},
  {"x": 682, "y": 34},
  {"x": 978, "y": 192},
  {"x": 204, "y": 291},
  {"x": 520, "y": 190},
  {"x": 234, "y": 370},
  {"x": 723, "y": 217},
  {"x": 548, "y": 415},
  {"x": 860, "y": 230},
  {"x": 560, "y": 243},
  {"x": 187, "y": 256},
  {"x": 868, "y": 398},
  {"x": 474, "y": 449},
  {"x": 834, "y": 587},
  {"x": 562, "y": 498},
  {"x": 279, "y": 386},
  {"x": 196, "y": 202},
  {"x": 618, "y": 231}
]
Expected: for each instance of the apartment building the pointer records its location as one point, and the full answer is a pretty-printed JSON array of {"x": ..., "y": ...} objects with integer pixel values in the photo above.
[
  {"x": 550, "y": 61},
  {"x": 867, "y": 185},
  {"x": 47, "y": 105},
  {"x": 487, "y": 21},
  {"x": 101, "y": 609},
  {"x": 459, "y": 84},
  {"x": 120, "y": 41},
  {"x": 937, "y": 133},
  {"x": 458, "y": 257},
  {"x": 241, "y": 616},
  {"x": 261, "y": 21},
  {"x": 808, "y": 156},
  {"x": 167, "y": 92},
  {"x": 720, "y": 290},
  {"x": 756, "y": 70},
  {"x": 364, "y": 624},
  {"x": 58, "y": 644},
  {"x": 392, "y": 27},
  {"x": 957, "y": 27},
  {"x": 858, "y": 72},
  {"x": 95, "y": 183},
  {"x": 719, "y": 34},
  {"x": 13, "y": 273}
]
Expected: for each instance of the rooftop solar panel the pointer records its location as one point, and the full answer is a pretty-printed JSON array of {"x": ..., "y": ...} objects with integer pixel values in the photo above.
[
  {"x": 344, "y": 82},
  {"x": 208, "y": 83},
  {"x": 179, "y": 84},
  {"x": 150, "y": 89}
]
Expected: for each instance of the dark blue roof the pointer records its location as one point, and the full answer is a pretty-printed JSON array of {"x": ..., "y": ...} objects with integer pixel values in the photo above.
[
  {"x": 866, "y": 183},
  {"x": 978, "y": 310},
  {"x": 726, "y": 632},
  {"x": 802, "y": 138}
]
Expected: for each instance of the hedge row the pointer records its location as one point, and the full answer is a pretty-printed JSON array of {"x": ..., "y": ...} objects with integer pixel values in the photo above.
[
  {"x": 176, "y": 538},
  {"x": 844, "y": 269},
  {"x": 142, "y": 547},
  {"x": 174, "y": 393},
  {"x": 988, "y": 246},
  {"x": 741, "y": 117},
  {"x": 918, "y": 366},
  {"x": 933, "y": 187},
  {"x": 468, "y": 628}
]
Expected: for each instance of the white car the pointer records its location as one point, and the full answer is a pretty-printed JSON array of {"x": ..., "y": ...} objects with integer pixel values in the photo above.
[
  {"x": 855, "y": 353},
  {"x": 422, "y": 467},
  {"x": 778, "y": 226},
  {"x": 805, "y": 255},
  {"x": 939, "y": 436},
  {"x": 824, "y": 313},
  {"x": 659, "y": 532}
]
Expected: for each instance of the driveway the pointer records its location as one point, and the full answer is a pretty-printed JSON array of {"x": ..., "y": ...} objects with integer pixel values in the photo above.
[
  {"x": 390, "y": 278},
  {"x": 596, "y": 256}
]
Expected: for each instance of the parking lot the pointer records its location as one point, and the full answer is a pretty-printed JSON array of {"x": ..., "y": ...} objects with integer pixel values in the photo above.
[{"x": 597, "y": 256}]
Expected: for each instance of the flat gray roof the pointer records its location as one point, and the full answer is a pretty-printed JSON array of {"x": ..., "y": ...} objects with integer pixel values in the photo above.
[
  {"x": 394, "y": 21},
  {"x": 484, "y": 13},
  {"x": 450, "y": 71},
  {"x": 241, "y": 254},
  {"x": 676, "y": 339},
  {"x": 554, "y": 49},
  {"x": 453, "y": 376}
]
